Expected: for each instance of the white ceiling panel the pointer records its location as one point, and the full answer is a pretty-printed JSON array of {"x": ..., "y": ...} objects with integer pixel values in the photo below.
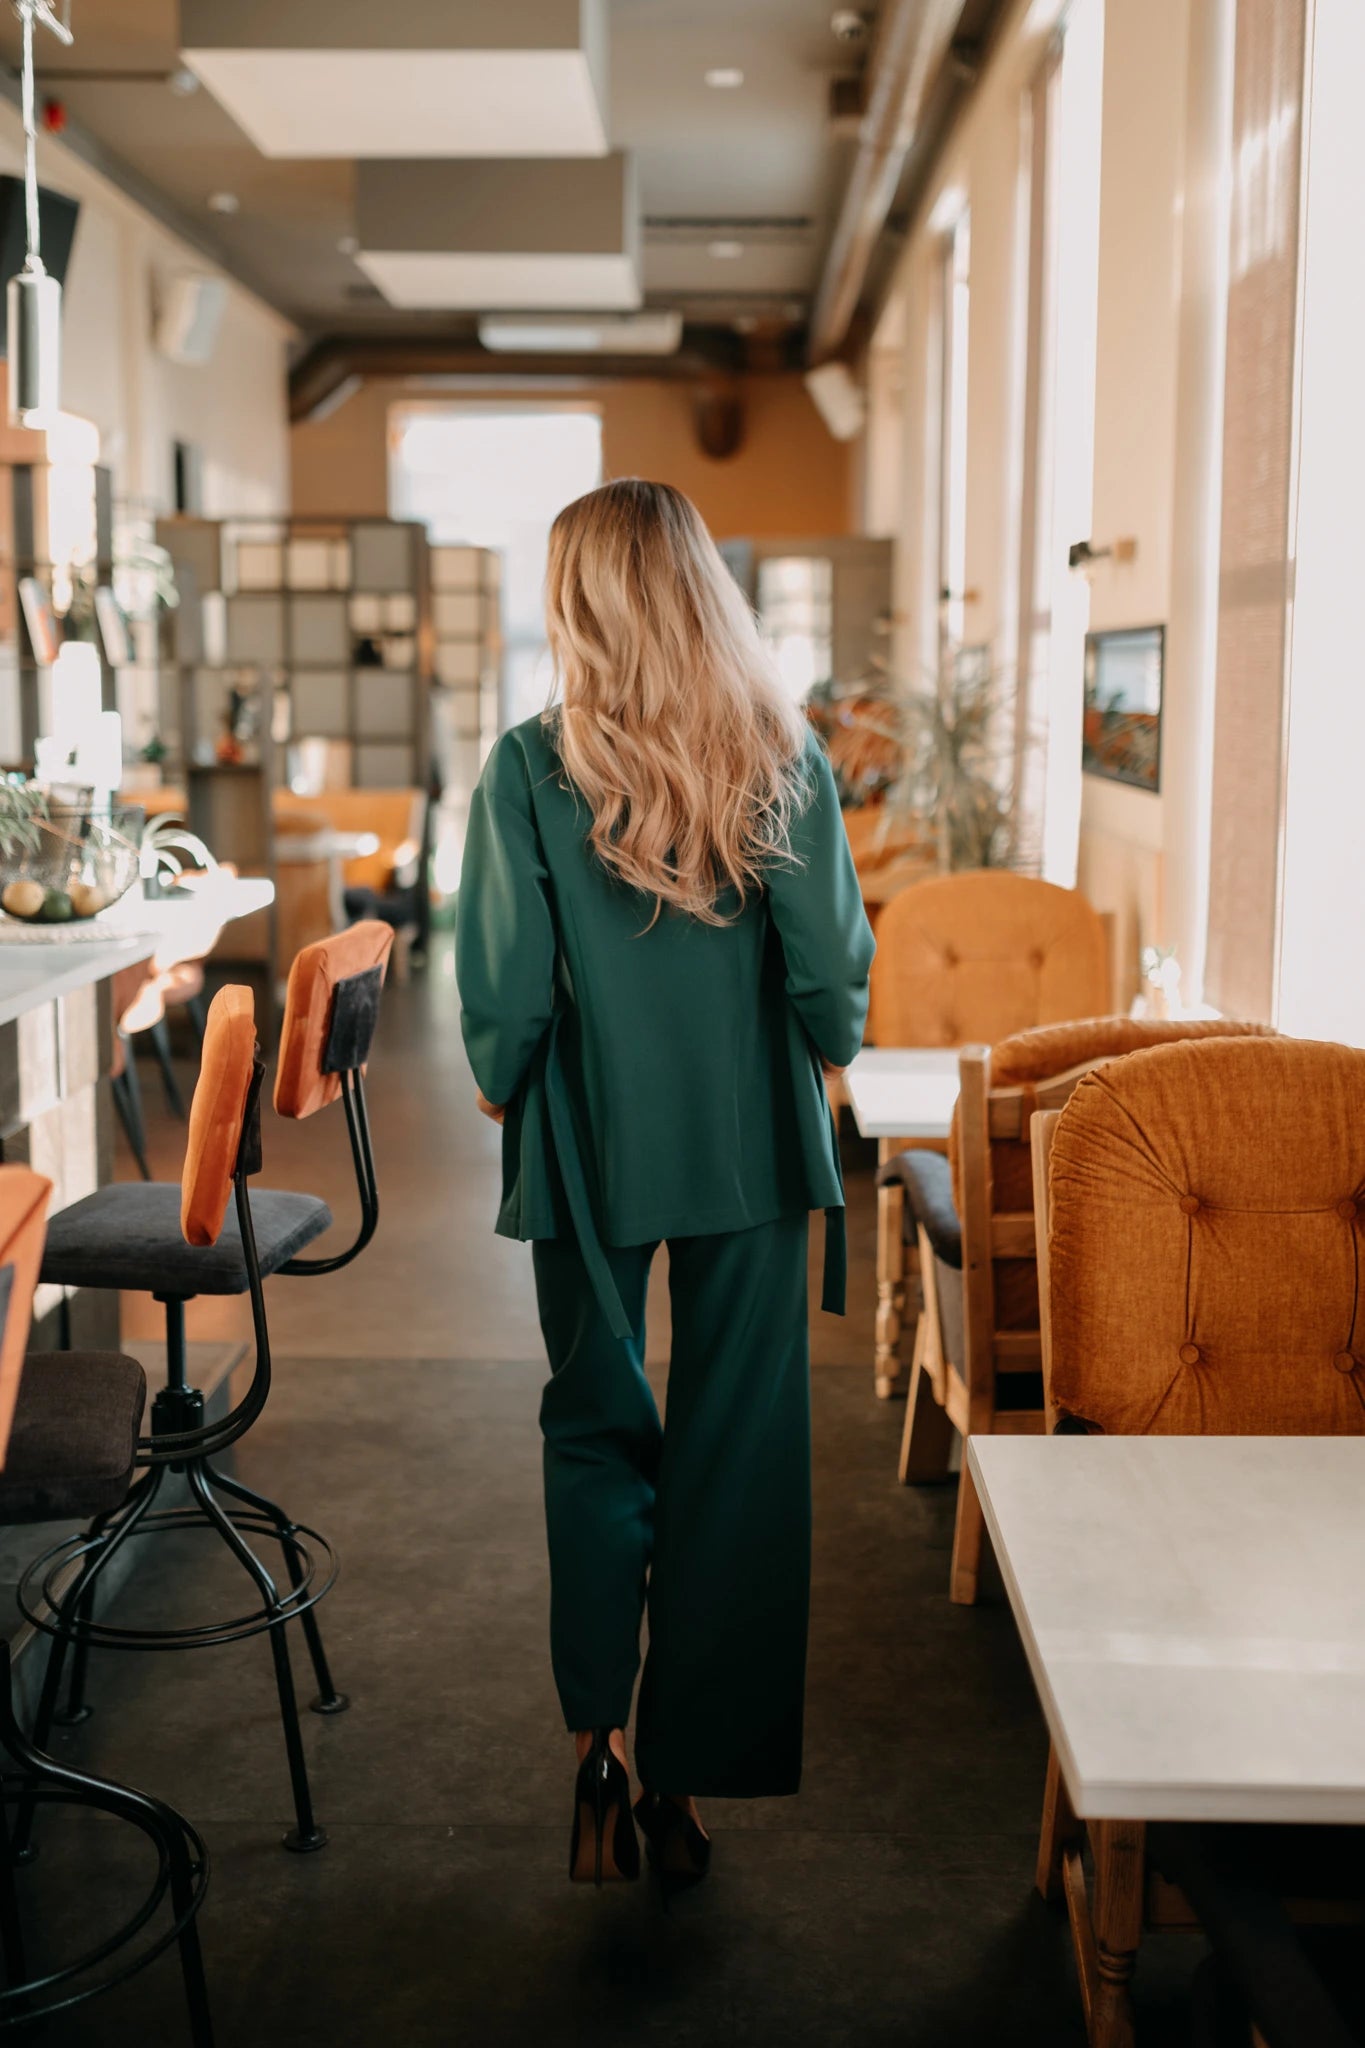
[
  {"x": 410, "y": 103},
  {"x": 479, "y": 281}
]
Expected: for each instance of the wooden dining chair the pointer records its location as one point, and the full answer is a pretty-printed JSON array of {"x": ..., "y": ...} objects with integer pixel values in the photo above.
[
  {"x": 978, "y": 1362},
  {"x": 970, "y": 959},
  {"x": 1203, "y": 1212}
]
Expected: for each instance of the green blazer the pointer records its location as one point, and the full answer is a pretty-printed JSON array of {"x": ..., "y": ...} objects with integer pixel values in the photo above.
[{"x": 662, "y": 1076}]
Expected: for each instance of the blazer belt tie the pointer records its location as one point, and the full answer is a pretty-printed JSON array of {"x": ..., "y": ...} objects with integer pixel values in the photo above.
[{"x": 585, "y": 1223}]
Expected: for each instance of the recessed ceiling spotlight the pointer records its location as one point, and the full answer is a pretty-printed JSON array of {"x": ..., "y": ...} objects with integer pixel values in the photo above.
[
  {"x": 183, "y": 82},
  {"x": 848, "y": 25},
  {"x": 725, "y": 77},
  {"x": 347, "y": 245},
  {"x": 223, "y": 202},
  {"x": 725, "y": 251}
]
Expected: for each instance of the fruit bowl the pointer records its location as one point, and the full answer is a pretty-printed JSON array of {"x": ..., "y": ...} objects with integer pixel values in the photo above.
[{"x": 64, "y": 867}]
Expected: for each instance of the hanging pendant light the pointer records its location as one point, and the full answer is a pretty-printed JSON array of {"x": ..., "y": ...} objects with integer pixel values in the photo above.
[{"x": 33, "y": 299}]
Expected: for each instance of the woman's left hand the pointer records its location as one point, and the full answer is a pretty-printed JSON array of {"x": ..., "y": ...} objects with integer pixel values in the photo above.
[{"x": 495, "y": 1111}]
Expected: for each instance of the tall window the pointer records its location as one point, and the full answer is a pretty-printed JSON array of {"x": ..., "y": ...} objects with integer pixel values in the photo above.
[
  {"x": 496, "y": 479},
  {"x": 1322, "y": 962}
]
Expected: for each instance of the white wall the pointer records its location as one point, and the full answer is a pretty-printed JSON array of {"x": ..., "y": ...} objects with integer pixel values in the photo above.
[{"x": 234, "y": 409}]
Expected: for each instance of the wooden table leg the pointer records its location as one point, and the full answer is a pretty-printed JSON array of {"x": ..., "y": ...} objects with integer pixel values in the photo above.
[
  {"x": 1061, "y": 1832},
  {"x": 890, "y": 1287},
  {"x": 1120, "y": 1852}
]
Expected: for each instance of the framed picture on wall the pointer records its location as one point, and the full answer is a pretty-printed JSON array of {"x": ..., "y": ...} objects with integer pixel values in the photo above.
[{"x": 1121, "y": 734}]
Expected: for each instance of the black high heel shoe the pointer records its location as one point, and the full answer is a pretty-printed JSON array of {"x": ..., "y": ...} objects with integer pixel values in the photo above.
[
  {"x": 603, "y": 1848},
  {"x": 679, "y": 1852}
]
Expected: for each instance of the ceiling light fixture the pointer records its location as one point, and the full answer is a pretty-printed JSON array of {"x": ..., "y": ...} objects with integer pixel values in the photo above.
[
  {"x": 183, "y": 82},
  {"x": 634, "y": 334},
  {"x": 347, "y": 245},
  {"x": 725, "y": 251},
  {"x": 223, "y": 202},
  {"x": 725, "y": 77}
]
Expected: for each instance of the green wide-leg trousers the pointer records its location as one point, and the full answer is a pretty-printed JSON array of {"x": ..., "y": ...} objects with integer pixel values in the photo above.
[{"x": 705, "y": 1516}]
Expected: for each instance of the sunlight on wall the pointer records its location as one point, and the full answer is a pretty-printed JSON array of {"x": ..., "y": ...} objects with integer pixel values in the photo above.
[{"x": 1079, "y": 108}]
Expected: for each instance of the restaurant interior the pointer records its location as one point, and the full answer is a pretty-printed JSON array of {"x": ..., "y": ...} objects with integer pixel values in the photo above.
[{"x": 1010, "y": 351}]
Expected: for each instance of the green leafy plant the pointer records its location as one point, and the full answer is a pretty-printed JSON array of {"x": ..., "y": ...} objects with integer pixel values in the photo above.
[
  {"x": 168, "y": 848},
  {"x": 944, "y": 756},
  {"x": 23, "y": 812}
]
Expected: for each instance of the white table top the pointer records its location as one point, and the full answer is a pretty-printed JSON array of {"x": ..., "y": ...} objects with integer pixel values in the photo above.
[
  {"x": 903, "y": 1091},
  {"x": 34, "y": 970},
  {"x": 1193, "y": 1609}
]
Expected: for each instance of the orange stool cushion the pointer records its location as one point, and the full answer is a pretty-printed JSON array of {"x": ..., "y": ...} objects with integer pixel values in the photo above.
[
  {"x": 301, "y": 1086},
  {"x": 216, "y": 1114},
  {"x": 23, "y": 1215}
]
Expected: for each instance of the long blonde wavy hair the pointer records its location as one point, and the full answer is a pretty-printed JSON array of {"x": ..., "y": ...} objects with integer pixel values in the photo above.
[{"x": 673, "y": 726}]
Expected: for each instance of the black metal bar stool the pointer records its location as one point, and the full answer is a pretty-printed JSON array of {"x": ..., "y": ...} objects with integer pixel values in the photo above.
[
  {"x": 68, "y": 1439},
  {"x": 176, "y": 1243}
]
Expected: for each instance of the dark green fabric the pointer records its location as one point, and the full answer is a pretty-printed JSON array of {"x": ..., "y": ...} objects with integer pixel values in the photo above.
[
  {"x": 711, "y": 1511},
  {"x": 685, "y": 1057}
]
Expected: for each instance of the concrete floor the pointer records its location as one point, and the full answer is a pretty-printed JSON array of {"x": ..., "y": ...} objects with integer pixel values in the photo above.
[{"x": 890, "y": 1903}]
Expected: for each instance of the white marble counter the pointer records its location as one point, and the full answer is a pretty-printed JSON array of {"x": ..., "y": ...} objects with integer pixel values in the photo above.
[
  {"x": 903, "y": 1091},
  {"x": 35, "y": 969},
  {"x": 33, "y": 974},
  {"x": 1193, "y": 1609}
]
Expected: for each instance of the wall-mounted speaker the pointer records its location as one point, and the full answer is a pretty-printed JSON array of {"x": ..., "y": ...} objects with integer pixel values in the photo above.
[
  {"x": 188, "y": 316},
  {"x": 838, "y": 399}
]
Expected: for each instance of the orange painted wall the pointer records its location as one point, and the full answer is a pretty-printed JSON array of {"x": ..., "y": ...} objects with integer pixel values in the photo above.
[{"x": 790, "y": 477}]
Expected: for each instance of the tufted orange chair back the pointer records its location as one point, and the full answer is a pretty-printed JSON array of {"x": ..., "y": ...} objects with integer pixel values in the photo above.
[
  {"x": 979, "y": 956},
  {"x": 23, "y": 1223},
  {"x": 1207, "y": 1229},
  {"x": 217, "y": 1114},
  {"x": 301, "y": 1085}
]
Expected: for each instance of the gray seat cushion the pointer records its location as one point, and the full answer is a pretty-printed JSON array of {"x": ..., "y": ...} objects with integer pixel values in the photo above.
[
  {"x": 129, "y": 1236},
  {"x": 74, "y": 1437},
  {"x": 928, "y": 1182}
]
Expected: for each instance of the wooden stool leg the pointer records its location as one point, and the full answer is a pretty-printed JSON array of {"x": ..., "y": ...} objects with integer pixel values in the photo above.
[
  {"x": 890, "y": 1287},
  {"x": 927, "y": 1439},
  {"x": 1120, "y": 1867},
  {"x": 1061, "y": 1832},
  {"x": 968, "y": 1533}
]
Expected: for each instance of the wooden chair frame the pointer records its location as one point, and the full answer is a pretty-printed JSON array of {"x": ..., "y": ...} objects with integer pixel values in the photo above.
[{"x": 964, "y": 1391}]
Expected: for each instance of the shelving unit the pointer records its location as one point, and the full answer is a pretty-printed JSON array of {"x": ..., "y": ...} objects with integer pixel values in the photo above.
[
  {"x": 326, "y": 623},
  {"x": 466, "y": 618}
]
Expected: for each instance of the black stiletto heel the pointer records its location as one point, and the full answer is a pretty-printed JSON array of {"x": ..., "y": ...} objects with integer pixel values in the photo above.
[
  {"x": 679, "y": 1852},
  {"x": 603, "y": 1848}
]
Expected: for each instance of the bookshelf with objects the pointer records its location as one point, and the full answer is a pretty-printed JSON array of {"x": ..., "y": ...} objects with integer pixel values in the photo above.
[{"x": 466, "y": 622}]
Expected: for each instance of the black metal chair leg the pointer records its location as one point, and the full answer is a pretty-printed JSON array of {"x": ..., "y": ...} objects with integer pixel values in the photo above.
[
  {"x": 79, "y": 1595},
  {"x": 306, "y": 1834},
  {"x": 183, "y": 1878},
  {"x": 11, "y": 1928},
  {"x": 128, "y": 1104},
  {"x": 199, "y": 1016},
  {"x": 161, "y": 1045},
  {"x": 329, "y": 1700}
]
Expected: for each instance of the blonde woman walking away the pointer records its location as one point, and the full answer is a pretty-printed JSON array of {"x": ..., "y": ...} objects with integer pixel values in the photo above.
[{"x": 660, "y": 946}]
